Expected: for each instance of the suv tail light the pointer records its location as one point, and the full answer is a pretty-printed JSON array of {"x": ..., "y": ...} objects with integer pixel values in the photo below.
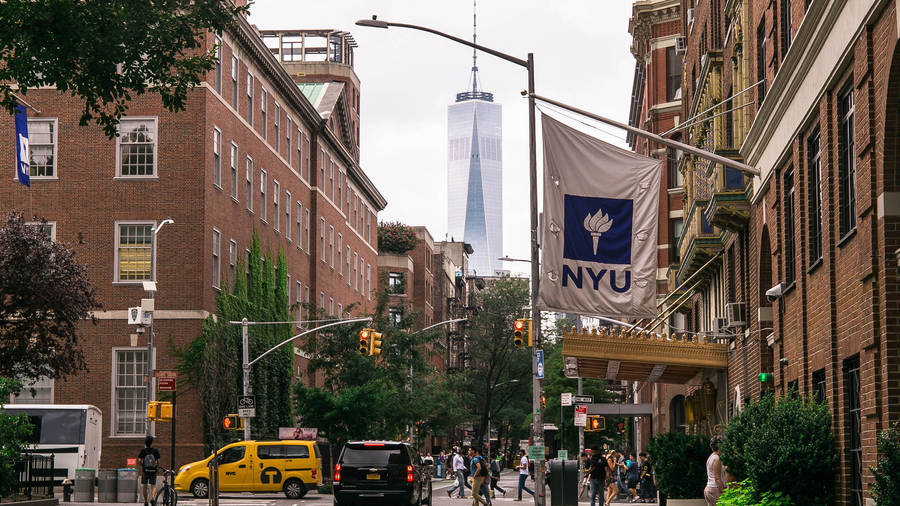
[
  {"x": 337, "y": 473},
  {"x": 409, "y": 474}
]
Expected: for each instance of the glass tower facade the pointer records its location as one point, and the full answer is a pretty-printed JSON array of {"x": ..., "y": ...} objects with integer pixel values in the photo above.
[{"x": 475, "y": 180}]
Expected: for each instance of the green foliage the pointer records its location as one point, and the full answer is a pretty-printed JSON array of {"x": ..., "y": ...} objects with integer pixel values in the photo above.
[
  {"x": 155, "y": 47},
  {"x": 45, "y": 296},
  {"x": 395, "y": 237},
  {"x": 14, "y": 429},
  {"x": 745, "y": 494},
  {"x": 212, "y": 362},
  {"x": 680, "y": 463},
  {"x": 784, "y": 445},
  {"x": 886, "y": 489}
]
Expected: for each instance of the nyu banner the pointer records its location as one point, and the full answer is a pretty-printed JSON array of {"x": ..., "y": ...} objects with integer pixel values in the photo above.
[
  {"x": 599, "y": 232},
  {"x": 23, "y": 156}
]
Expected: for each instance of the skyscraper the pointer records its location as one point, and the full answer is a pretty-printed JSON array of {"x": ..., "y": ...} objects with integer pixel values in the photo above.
[{"x": 474, "y": 175}]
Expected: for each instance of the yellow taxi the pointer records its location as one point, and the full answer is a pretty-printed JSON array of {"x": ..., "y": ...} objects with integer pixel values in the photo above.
[{"x": 288, "y": 466}]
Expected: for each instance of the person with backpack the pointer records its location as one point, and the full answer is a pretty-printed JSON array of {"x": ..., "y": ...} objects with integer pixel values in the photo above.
[
  {"x": 632, "y": 476},
  {"x": 148, "y": 459},
  {"x": 495, "y": 476},
  {"x": 478, "y": 468},
  {"x": 648, "y": 488}
]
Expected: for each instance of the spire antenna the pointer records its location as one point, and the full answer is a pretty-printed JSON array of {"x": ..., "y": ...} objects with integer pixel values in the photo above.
[{"x": 474, "y": 51}]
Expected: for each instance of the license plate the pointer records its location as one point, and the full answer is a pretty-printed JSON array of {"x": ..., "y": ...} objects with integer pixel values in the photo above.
[{"x": 373, "y": 476}]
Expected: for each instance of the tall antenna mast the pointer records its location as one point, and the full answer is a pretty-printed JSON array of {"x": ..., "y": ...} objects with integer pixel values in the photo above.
[{"x": 474, "y": 51}]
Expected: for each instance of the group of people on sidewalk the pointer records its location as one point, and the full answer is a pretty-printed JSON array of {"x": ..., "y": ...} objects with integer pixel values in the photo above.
[
  {"x": 483, "y": 475},
  {"x": 614, "y": 472}
]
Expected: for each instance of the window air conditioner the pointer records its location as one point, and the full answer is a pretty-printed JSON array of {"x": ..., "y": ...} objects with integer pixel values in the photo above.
[
  {"x": 680, "y": 45},
  {"x": 690, "y": 17},
  {"x": 736, "y": 314},
  {"x": 720, "y": 324}
]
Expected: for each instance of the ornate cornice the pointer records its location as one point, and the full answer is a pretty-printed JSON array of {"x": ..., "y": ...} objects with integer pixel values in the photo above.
[
  {"x": 644, "y": 348},
  {"x": 645, "y": 14}
]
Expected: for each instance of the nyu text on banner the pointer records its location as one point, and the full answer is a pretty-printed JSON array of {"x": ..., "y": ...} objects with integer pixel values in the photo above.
[
  {"x": 599, "y": 232},
  {"x": 23, "y": 155}
]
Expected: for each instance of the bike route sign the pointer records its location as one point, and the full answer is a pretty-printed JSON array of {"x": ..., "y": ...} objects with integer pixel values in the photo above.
[{"x": 247, "y": 406}]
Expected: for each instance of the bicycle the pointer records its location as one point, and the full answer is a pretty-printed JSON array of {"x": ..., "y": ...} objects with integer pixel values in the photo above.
[{"x": 169, "y": 496}]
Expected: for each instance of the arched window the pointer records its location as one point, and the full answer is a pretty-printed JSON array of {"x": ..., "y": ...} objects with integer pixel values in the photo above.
[{"x": 676, "y": 414}]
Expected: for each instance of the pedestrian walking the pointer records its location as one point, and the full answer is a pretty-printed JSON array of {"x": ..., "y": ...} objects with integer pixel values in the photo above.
[
  {"x": 632, "y": 476},
  {"x": 714, "y": 481},
  {"x": 495, "y": 476},
  {"x": 148, "y": 459},
  {"x": 523, "y": 474},
  {"x": 621, "y": 466},
  {"x": 648, "y": 487},
  {"x": 479, "y": 471},
  {"x": 586, "y": 477},
  {"x": 459, "y": 471},
  {"x": 439, "y": 468},
  {"x": 612, "y": 466},
  {"x": 597, "y": 473}
]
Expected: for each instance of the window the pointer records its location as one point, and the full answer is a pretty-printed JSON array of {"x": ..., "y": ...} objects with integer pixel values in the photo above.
[
  {"x": 129, "y": 409},
  {"x": 348, "y": 265},
  {"x": 331, "y": 246},
  {"x": 761, "y": 62},
  {"x": 287, "y": 215},
  {"x": 369, "y": 282},
  {"x": 814, "y": 177},
  {"x": 331, "y": 181},
  {"x": 395, "y": 283},
  {"x": 854, "y": 428},
  {"x": 247, "y": 263},
  {"x": 322, "y": 239},
  {"x": 277, "y": 128},
  {"x": 136, "y": 146},
  {"x": 673, "y": 75},
  {"x": 39, "y": 391},
  {"x": 321, "y": 182},
  {"x": 299, "y": 225},
  {"x": 234, "y": 82},
  {"x": 263, "y": 183},
  {"x": 218, "y": 56},
  {"x": 287, "y": 139},
  {"x": 300, "y": 152},
  {"x": 818, "y": 385},
  {"x": 232, "y": 455},
  {"x": 217, "y": 157},
  {"x": 42, "y": 147},
  {"x": 355, "y": 272},
  {"x": 308, "y": 169},
  {"x": 676, "y": 414},
  {"x": 306, "y": 235},
  {"x": 846, "y": 160},
  {"x": 369, "y": 218},
  {"x": 785, "y": 27},
  {"x": 355, "y": 221},
  {"x": 276, "y": 192},
  {"x": 134, "y": 251},
  {"x": 263, "y": 105},
  {"x": 362, "y": 272},
  {"x": 250, "y": 98},
  {"x": 234, "y": 162},
  {"x": 330, "y": 306},
  {"x": 340, "y": 311},
  {"x": 348, "y": 203},
  {"x": 676, "y": 226},
  {"x": 789, "y": 196},
  {"x": 396, "y": 316},
  {"x": 215, "y": 258},
  {"x": 340, "y": 188},
  {"x": 232, "y": 262},
  {"x": 298, "y": 305},
  {"x": 322, "y": 301},
  {"x": 729, "y": 120},
  {"x": 49, "y": 228},
  {"x": 249, "y": 184},
  {"x": 340, "y": 254}
]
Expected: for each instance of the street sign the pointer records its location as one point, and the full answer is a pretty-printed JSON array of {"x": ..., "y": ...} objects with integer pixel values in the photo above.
[
  {"x": 540, "y": 363},
  {"x": 166, "y": 380},
  {"x": 523, "y": 444},
  {"x": 562, "y": 454},
  {"x": 247, "y": 406},
  {"x": 580, "y": 415},
  {"x": 536, "y": 452},
  {"x": 567, "y": 398},
  {"x": 583, "y": 399}
]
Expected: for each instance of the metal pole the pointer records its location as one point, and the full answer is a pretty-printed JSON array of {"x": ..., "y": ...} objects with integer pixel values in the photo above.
[
  {"x": 580, "y": 429},
  {"x": 245, "y": 361},
  {"x": 174, "y": 419},
  {"x": 537, "y": 416}
]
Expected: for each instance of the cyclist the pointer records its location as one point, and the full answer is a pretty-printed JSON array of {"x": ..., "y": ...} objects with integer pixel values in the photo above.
[{"x": 148, "y": 459}]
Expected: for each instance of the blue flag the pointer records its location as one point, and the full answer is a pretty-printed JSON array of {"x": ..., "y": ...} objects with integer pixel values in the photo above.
[{"x": 23, "y": 154}]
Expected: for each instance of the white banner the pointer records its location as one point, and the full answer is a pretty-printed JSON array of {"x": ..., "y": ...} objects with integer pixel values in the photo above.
[{"x": 599, "y": 236}]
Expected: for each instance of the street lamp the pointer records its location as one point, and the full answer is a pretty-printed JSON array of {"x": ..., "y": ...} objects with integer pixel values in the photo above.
[
  {"x": 528, "y": 64},
  {"x": 489, "y": 416},
  {"x": 150, "y": 288}
]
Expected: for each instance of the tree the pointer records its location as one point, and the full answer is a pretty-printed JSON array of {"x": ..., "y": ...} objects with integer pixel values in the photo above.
[
  {"x": 14, "y": 429},
  {"x": 106, "y": 52},
  {"x": 44, "y": 294}
]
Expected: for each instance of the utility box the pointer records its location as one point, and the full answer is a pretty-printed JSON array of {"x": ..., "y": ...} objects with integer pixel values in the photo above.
[{"x": 563, "y": 483}]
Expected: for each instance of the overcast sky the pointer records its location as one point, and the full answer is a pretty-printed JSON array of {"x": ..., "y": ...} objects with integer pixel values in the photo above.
[{"x": 408, "y": 78}]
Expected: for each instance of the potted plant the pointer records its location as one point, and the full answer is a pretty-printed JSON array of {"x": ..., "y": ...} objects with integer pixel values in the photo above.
[{"x": 680, "y": 461}]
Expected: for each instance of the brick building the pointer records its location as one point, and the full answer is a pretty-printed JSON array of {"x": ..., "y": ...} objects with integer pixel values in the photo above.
[{"x": 257, "y": 151}]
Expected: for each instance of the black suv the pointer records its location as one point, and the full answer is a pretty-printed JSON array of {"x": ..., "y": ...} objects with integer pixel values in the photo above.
[{"x": 388, "y": 472}]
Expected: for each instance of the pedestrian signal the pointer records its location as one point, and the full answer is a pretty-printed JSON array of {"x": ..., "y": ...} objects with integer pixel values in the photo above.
[
  {"x": 232, "y": 422},
  {"x": 519, "y": 332},
  {"x": 364, "y": 342},
  {"x": 595, "y": 423},
  {"x": 374, "y": 343},
  {"x": 159, "y": 411}
]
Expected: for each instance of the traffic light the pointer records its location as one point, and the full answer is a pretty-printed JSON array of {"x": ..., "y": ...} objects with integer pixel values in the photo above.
[
  {"x": 374, "y": 343},
  {"x": 232, "y": 422},
  {"x": 364, "y": 342},
  {"x": 543, "y": 400},
  {"x": 595, "y": 423},
  {"x": 765, "y": 377},
  {"x": 519, "y": 332}
]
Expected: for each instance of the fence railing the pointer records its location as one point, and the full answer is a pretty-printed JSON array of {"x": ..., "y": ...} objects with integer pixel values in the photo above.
[{"x": 35, "y": 475}]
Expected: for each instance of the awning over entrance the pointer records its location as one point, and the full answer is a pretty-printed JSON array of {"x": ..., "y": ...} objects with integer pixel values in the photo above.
[{"x": 640, "y": 356}]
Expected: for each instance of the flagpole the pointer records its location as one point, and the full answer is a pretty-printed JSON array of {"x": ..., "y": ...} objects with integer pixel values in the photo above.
[
  {"x": 687, "y": 148},
  {"x": 26, "y": 104}
]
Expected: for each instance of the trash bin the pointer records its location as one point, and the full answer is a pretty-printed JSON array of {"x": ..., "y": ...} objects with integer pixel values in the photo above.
[
  {"x": 106, "y": 485},
  {"x": 563, "y": 483},
  {"x": 126, "y": 485},
  {"x": 84, "y": 485}
]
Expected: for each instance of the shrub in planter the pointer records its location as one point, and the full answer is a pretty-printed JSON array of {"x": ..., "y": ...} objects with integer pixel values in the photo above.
[
  {"x": 784, "y": 445},
  {"x": 886, "y": 489},
  {"x": 680, "y": 461},
  {"x": 745, "y": 494},
  {"x": 395, "y": 237}
]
